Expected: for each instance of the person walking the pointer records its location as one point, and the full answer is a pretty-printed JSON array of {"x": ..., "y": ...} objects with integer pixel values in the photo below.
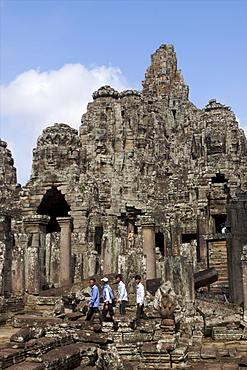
[
  {"x": 140, "y": 299},
  {"x": 107, "y": 298},
  {"x": 94, "y": 302},
  {"x": 122, "y": 294}
]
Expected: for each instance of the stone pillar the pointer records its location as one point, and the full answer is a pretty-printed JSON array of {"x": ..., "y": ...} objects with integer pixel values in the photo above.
[
  {"x": 34, "y": 225},
  {"x": 33, "y": 283},
  {"x": 148, "y": 235},
  {"x": 202, "y": 229},
  {"x": 237, "y": 221},
  {"x": 244, "y": 270},
  {"x": 65, "y": 249},
  {"x": 6, "y": 246}
]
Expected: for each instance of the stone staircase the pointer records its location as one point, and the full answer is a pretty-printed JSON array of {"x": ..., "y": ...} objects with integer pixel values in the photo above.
[{"x": 69, "y": 342}]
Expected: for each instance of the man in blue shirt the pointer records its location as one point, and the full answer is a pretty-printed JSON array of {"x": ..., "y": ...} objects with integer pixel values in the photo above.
[{"x": 94, "y": 302}]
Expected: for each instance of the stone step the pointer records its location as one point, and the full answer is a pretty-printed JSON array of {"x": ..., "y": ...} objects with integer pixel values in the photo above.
[
  {"x": 27, "y": 366},
  {"x": 11, "y": 356},
  {"x": 70, "y": 356},
  {"x": 20, "y": 321}
]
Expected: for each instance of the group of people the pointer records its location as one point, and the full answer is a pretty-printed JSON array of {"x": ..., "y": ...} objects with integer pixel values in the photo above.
[{"x": 108, "y": 298}]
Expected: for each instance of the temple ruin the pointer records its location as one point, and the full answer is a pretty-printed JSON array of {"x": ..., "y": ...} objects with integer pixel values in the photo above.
[{"x": 146, "y": 186}]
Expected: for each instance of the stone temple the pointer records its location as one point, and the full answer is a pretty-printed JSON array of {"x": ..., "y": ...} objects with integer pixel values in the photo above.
[{"x": 145, "y": 186}]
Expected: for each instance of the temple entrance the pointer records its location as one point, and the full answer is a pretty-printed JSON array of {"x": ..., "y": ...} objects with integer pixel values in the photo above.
[
  {"x": 54, "y": 205},
  {"x": 55, "y": 249}
]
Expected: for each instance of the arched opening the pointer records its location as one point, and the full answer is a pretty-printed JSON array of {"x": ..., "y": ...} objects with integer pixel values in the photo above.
[{"x": 54, "y": 205}]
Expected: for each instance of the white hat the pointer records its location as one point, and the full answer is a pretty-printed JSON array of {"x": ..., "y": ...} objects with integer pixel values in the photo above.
[{"x": 105, "y": 280}]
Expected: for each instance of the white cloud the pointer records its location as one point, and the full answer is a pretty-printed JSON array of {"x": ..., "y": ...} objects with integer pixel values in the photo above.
[{"x": 35, "y": 100}]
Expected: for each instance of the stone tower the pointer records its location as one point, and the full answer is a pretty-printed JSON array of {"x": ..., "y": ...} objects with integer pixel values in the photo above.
[{"x": 145, "y": 182}]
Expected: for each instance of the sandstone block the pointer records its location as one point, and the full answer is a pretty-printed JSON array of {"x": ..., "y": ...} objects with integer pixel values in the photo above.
[{"x": 208, "y": 352}]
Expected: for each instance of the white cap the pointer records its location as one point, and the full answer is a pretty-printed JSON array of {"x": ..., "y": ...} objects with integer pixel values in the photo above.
[{"x": 105, "y": 279}]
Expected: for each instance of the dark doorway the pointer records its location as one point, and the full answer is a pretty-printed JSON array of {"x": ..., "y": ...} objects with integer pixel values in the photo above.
[
  {"x": 159, "y": 242},
  {"x": 54, "y": 205},
  {"x": 219, "y": 221},
  {"x": 219, "y": 179},
  {"x": 186, "y": 238},
  {"x": 98, "y": 238}
]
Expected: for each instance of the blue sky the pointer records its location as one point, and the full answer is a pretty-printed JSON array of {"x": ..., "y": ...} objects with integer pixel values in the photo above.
[{"x": 54, "y": 54}]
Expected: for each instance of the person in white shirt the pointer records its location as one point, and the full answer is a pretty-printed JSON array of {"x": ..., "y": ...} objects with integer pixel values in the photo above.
[
  {"x": 140, "y": 299},
  {"x": 122, "y": 294}
]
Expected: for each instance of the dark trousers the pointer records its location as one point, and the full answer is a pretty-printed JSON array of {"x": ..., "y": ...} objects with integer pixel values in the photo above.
[
  {"x": 107, "y": 309},
  {"x": 140, "y": 313},
  {"x": 91, "y": 312},
  {"x": 122, "y": 308}
]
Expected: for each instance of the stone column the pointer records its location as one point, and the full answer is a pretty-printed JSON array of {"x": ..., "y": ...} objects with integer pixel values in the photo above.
[
  {"x": 148, "y": 235},
  {"x": 6, "y": 245},
  {"x": 237, "y": 221},
  {"x": 34, "y": 225},
  {"x": 244, "y": 270},
  {"x": 65, "y": 249},
  {"x": 33, "y": 283}
]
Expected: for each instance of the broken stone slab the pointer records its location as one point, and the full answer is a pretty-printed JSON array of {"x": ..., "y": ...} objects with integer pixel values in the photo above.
[
  {"x": 10, "y": 356},
  {"x": 152, "y": 361},
  {"x": 73, "y": 316},
  {"x": 222, "y": 352},
  {"x": 153, "y": 284},
  {"x": 150, "y": 348},
  {"x": 27, "y": 366},
  {"x": 83, "y": 336},
  {"x": 135, "y": 337},
  {"x": 41, "y": 301},
  {"x": 194, "y": 352},
  {"x": 37, "y": 347},
  {"x": 208, "y": 352},
  {"x": 208, "y": 308},
  {"x": 205, "y": 277},
  {"x": 179, "y": 354},
  {"x": 226, "y": 334},
  {"x": 21, "y": 336},
  {"x": 29, "y": 320},
  {"x": 25, "y": 334},
  {"x": 220, "y": 321},
  {"x": 70, "y": 356},
  {"x": 64, "y": 356},
  {"x": 125, "y": 349}
]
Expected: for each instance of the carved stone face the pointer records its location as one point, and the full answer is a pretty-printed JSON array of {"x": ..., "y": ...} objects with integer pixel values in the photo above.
[
  {"x": 100, "y": 146},
  {"x": 216, "y": 144}
]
